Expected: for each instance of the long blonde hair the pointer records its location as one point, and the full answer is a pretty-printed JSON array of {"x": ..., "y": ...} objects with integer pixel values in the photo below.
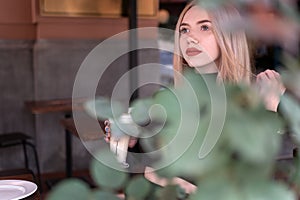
[{"x": 234, "y": 65}]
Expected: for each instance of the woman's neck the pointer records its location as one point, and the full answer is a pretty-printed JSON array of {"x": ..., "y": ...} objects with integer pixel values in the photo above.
[{"x": 207, "y": 69}]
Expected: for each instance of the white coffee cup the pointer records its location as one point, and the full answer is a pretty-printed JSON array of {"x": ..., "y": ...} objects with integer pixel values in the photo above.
[{"x": 120, "y": 137}]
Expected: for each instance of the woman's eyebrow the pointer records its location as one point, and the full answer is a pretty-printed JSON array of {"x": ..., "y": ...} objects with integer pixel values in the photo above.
[
  {"x": 199, "y": 22},
  {"x": 203, "y": 21},
  {"x": 184, "y": 24}
]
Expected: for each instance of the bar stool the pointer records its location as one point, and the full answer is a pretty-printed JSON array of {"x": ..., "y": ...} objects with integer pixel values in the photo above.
[{"x": 19, "y": 138}]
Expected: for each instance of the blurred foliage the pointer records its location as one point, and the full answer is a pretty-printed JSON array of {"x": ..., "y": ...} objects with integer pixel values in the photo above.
[
  {"x": 240, "y": 165},
  {"x": 242, "y": 162},
  {"x": 103, "y": 108}
]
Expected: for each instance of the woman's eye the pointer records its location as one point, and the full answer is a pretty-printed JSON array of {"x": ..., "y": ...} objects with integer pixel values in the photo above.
[
  {"x": 183, "y": 30},
  {"x": 204, "y": 28}
]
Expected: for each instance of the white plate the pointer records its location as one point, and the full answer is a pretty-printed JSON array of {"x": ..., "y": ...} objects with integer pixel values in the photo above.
[{"x": 16, "y": 189}]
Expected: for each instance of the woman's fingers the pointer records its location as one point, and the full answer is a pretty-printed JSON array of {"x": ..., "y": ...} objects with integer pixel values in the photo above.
[
  {"x": 107, "y": 136},
  {"x": 107, "y": 131},
  {"x": 270, "y": 87},
  {"x": 106, "y": 122},
  {"x": 132, "y": 142}
]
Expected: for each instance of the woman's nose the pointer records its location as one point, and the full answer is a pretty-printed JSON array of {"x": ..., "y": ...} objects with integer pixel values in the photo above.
[{"x": 191, "y": 39}]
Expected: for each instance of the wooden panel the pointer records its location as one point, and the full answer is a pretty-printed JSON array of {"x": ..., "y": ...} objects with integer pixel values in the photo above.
[
  {"x": 146, "y": 8},
  {"x": 59, "y": 24},
  {"x": 17, "y": 31},
  {"x": 81, "y": 7},
  {"x": 16, "y": 20},
  {"x": 20, "y": 19},
  {"x": 15, "y": 11},
  {"x": 86, "y": 28}
]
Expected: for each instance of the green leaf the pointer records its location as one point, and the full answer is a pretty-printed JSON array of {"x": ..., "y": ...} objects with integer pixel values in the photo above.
[
  {"x": 181, "y": 194},
  {"x": 169, "y": 192},
  {"x": 138, "y": 188},
  {"x": 168, "y": 101},
  {"x": 250, "y": 131},
  {"x": 103, "y": 108},
  {"x": 140, "y": 111},
  {"x": 253, "y": 135},
  {"x": 229, "y": 189},
  {"x": 291, "y": 111},
  {"x": 267, "y": 190},
  {"x": 185, "y": 149},
  {"x": 189, "y": 164},
  {"x": 120, "y": 128},
  {"x": 70, "y": 189},
  {"x": 107, "y": 172},
  {"x": 103, "y": 195},
  {"x": 217, "y": 188},
  {"x": 245, "y": 171}
]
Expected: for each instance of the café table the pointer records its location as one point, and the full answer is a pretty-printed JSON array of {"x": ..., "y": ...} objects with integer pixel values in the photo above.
[
  {"x": 66, "y": 106},
  {"x": 85, "y": 135},
  {"x": 21, "y": 174}
]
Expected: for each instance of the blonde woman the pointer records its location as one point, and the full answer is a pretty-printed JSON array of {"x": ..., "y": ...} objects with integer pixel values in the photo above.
[
  {"x": 219, "y": 51},
  {"x": 203, "y": 42}
]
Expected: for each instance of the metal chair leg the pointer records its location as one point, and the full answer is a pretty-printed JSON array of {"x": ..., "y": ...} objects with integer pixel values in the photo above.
[
  {"x": 25, "y": 153},
  {"x": 36, "y": 162}
]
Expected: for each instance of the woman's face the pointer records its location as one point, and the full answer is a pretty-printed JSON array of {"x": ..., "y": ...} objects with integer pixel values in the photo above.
[{"x": 198, "y": 44}]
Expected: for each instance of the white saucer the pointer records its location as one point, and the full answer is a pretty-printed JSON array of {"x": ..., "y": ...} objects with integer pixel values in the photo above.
[{"x": 16, "y": 189}]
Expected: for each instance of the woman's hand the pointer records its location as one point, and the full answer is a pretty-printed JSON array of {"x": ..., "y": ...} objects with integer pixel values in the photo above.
[
  {"x": 154, "y": 178},
  {"x": 107, "y": 129},
  {"x": 270, "y": 88}
]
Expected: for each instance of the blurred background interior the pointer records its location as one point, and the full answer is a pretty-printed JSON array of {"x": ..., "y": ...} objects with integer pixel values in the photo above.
[{"x": 42, "y": 45}]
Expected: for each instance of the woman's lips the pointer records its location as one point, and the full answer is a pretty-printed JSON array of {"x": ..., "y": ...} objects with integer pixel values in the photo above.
[{"x": 192, "y": 51}]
